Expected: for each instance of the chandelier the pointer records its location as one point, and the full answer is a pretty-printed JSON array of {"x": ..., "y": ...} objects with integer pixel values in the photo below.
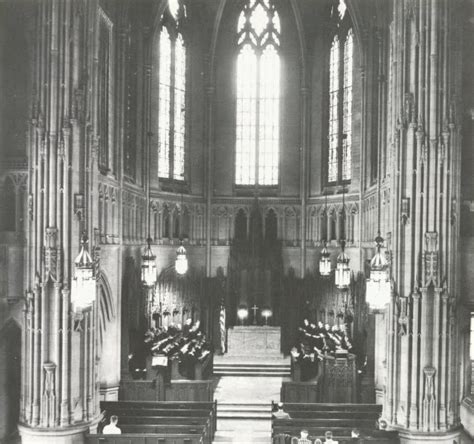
[
  {"x": 148, "y": 269},
  {"x": 378, "y": 285},
  {"x": 325, "y": 262},
  {"x": 325, "y": 259},
  {"x": 83, "y": 286},
  {"x": 343, "y": 271},
  {"x": 181, "y": 263},
  {"x": 378, "y": 288}
]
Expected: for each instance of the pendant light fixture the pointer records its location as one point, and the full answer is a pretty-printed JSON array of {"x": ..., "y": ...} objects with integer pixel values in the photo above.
[
  {"x": 377, "y": 293},
  {"x": 325, "y": 259},
  {"x": 378, "y": 285},
  {"x": 181, "y": 262},
  {"x": 83, "y": 285},
  {"x": 343, "y": 271},
  {"x": 148, "y": 268}
]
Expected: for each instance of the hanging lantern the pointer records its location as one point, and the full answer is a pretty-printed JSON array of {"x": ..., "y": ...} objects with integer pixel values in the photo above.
[
  {"x": 148, "y": 266},
  {"x": 378, "y": 285},
  {"x": 343, "y": 271},
  {"x": 325, "y": 262},
  {"x": 83, "y": 285},
  {"x": 181, "y": 264}
]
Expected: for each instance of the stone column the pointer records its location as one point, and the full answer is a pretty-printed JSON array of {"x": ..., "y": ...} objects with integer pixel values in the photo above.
[
  {"x": 421, "y": 398},
  {"x": 304, "y": 181},
  {"x": 210, "y": 91},
  {"x": 61, "y": 166}
]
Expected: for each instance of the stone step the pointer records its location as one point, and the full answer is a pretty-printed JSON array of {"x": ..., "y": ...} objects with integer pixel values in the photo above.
[
  {"x": 243, "y": 431},
  {"x": 250, "y": 373},
  {"x": 248, "y": 411},
  {"x": 245, "y": 406},
  {"x": 252, "y": 369},
  {"x": 252, "y": 365},
  {"x": 244, "y": 415},
  {"x": 242, "y": 438}
]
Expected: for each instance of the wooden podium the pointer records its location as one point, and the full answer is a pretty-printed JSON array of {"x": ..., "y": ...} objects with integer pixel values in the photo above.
[
  {"x": 335, "y": 381},
  {"x": 339, "y": 376}
]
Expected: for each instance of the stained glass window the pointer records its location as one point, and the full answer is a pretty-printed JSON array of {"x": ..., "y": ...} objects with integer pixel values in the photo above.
[
  {"x": 258, "y": 95},
  {"x": 333, "y": 111},
  {"x": 472, "y": 337},
  {"x": 172, "y": 97},
  {"x": 165, "y": 104},
  {"x": 179, "y": 108},
  {"x": 340, "y": 99},
  {"x": 347, "y": 109},
  {"x": 471, "y": 351},
  {"x": 106, "y": 158}
]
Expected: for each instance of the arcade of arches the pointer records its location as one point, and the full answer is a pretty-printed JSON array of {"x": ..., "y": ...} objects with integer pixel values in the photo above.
[{"x": 254, "y": 133}]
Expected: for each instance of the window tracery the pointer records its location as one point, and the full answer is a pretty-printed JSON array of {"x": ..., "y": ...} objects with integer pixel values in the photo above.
[
  {"x": 172, "y": 95},
  {"x": 258, "y": 95},
  {"x": 339, "y": 159}
]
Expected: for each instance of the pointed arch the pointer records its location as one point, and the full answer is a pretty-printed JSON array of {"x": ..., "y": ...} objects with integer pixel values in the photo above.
[
  {"x": 169, "y": 52},
  {"x": 241, "y": 224},
  {"x": 257, "y": 147},
  {"x": 339, "y": 91},
  {"x": 271, "y": 225},
  {"x": 107, "y": 310}
]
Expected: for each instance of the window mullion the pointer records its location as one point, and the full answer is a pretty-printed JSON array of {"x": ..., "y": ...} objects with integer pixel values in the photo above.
[
  {"x": 340, "y": 111},
  {"x": 172, "y": 110},
  {"x": 257, "y": 123}
]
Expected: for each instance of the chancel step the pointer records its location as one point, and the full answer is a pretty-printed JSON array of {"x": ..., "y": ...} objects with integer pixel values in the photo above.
[
  {"x": 243, "y": 411},
  {"x": 244, "y": 430},
  {"x": 252, "y": 369}
]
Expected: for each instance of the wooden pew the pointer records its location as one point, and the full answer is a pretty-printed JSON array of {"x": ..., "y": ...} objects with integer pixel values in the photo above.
[
  {"x": 338, "y": 418},
  {"x": 329, "y": 415},
  {"x": 169, "y": 425},
  {"x": 318, "y": 424},
  {"x": 175, "y": 407},
  {"x": 164, "y": 404},
  {"x": 140, "y": 438},
  {"x": 163, "y": 412},
  {"x": 151, "y": 417},
  {"x": 325, "y": 407},
  {"x": 284, "y": 438}
]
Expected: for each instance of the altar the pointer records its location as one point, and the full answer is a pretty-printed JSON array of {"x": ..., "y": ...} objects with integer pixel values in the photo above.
[{"x": 263, "y": 341}]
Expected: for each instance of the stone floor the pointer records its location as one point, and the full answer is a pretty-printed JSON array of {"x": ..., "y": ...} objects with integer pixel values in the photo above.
[
  {"x": 248, "y": 389},
  {"x": 243, "y": 405}
]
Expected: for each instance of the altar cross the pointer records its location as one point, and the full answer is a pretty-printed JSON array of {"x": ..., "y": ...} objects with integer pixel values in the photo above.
[{"x": 254, "y": 309}]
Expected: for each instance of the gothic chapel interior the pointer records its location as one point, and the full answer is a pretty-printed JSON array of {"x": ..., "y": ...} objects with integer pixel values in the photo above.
[{"x": 274, "y": 193}]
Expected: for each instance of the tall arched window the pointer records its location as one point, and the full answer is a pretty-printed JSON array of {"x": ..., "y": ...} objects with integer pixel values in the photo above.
[
  {"x": 172, "y": 96},
  {"x": 258, "y": 95},
  {"x": 340, "y": 99}
]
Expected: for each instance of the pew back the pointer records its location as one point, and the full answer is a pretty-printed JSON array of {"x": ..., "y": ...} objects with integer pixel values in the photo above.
[
  {"x": 164, "y": 418},
  {"x": 318, "y": 418},
  {"x": 139, "y": 438}
]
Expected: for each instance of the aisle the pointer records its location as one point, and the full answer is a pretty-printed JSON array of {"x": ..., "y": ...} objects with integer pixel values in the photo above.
[{"x": 243, "y": 404}]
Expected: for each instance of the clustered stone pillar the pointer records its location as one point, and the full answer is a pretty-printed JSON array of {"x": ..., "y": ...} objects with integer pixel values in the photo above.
[
  {"x": 59, "y": 397},
  {"x": 421, "y": 393}
]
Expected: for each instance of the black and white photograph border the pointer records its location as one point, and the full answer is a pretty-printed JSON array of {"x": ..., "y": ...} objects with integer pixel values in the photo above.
[{"x": 236, "y": 221}]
